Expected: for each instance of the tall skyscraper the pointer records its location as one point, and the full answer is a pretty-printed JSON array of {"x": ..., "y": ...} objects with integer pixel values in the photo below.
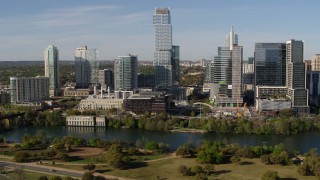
[
  {"x": 163, "y": 47},
  {"x": 51, "y": 68},
  {"x": 270, "y": 64},
  {"x": 175, "y": 62},
  {"x": 86, "y": 67},
  {"x": 125, "y": 73},
  {"x": 296, "y": 76},
  {"x": 25, "y": 90},
  {"x": 227, "y": 73}
]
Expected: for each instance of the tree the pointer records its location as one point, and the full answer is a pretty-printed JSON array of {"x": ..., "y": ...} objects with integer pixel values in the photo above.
[
  {"x": 235, "y": 159},
  {"x": 89, "y": 167},
  {"x": 270, "y": 175},
  {"x": 22, "y": 157},
  {"x": 88, "y": 176},
  {"x": 116, "y": 157}
]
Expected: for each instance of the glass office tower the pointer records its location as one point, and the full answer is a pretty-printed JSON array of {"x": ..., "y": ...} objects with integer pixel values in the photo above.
[
  {"x": 270, "y": 64},
  {"x": 51, "y": 67},
  {"x": 163, "y": 47}
]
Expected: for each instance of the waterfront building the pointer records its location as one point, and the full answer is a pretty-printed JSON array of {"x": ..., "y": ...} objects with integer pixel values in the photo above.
[
  {"x": 163, "y": 47},
  {"x": 106, "y": 78},
  {"x": 152, "y": 102},
  {"x": 227, "y": 72},
  {"x": 88, "y": 121},
  {"x": 86, "y": 67},
  {"x": 296, "y": 76},
  {"x": 271, "y": 98},
  {"x": 32, "y": 89},
  {"x": 315, "y": 63},
  {"x": 125, "y": 73},
  {"x": 51, "y": 67},
  {"x": 270, "y": 64}
]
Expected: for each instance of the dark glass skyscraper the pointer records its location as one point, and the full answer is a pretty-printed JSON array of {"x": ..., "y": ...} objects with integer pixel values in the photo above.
[{"x": 270, "y": 64}]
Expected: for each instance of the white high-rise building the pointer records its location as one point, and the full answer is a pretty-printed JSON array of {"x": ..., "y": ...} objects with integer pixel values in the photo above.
[
  {"x": 163, "y": 47},
  {"x": 296, "y": 76},
  {"x": 232, "y": 39},
  {"x": 25, "y": 90},
  {"x": 227, "y": 73},
  {"x": 86, "y": 67},
  {"x": 51, "y": 67}
]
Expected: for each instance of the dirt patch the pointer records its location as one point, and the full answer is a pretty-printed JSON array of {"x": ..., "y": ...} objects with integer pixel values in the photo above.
[{"x": 85, "y": 151}]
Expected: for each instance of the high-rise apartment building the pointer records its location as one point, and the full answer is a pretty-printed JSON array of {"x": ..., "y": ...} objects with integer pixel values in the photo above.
[
  {"x": 315, "y": 63},
  {"x": 270, "y": 64},
  {"x": 51, "y": 68},
  {"x": 106, "y": 78},
  {"x": 175, "y": 62},
  {"x": 25, "y": 90},
  {"x": 86, "y": 67},
  {"x": 163, "y": 47},
  {"x": 125, "y": 73},
  {"x": 296, "y": 76},
  {"x": 227, "y": 70}
]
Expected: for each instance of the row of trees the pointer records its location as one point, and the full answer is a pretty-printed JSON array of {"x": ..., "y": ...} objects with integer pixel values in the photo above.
[
  {"x": 217, "y": 153},
  {"x": 162, "y": 122}
]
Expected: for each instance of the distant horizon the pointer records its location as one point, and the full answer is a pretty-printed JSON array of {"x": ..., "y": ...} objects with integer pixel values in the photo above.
[{"x": 120, "y": 27}]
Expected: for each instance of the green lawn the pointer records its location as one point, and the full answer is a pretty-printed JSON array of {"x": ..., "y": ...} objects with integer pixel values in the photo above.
[{"x": 250, "y": 169}]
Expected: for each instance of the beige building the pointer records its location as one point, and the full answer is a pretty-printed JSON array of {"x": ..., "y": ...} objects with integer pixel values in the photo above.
[
  {"x": 315, "y": 63},
  {"x": 86, "y": 121},
  {"x": 72, "y": 92},
  {"x": 100, "y": 103}
]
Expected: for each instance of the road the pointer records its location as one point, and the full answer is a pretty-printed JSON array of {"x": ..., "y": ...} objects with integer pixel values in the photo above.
[{"x": 57, "y": 170}]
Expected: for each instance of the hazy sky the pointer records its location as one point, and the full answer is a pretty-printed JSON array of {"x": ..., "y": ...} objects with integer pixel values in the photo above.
[{"x": 119, "y": 27}]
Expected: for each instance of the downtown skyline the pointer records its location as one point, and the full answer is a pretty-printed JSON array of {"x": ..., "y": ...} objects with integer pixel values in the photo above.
[{"x": 122, "y": 27}]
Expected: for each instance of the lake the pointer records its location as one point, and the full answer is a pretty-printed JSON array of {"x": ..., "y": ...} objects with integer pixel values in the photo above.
[{"x": 302, "y": 142}]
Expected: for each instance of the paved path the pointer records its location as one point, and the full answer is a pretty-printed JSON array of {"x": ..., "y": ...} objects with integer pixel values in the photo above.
[{"x": 56, "y": 170}]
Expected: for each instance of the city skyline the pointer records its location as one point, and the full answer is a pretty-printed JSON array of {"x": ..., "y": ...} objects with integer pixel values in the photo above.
[{"x": 28, "y": 27}]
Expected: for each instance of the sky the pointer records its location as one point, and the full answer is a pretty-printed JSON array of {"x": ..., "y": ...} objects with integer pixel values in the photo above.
[{"x": 120, "y": 27}]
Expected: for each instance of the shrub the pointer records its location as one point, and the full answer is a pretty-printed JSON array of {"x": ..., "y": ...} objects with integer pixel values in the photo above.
[{"x": 270, "y": 175}]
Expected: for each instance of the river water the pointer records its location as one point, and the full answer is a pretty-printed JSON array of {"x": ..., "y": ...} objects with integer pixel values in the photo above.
[{"x": 302, "y": 142}]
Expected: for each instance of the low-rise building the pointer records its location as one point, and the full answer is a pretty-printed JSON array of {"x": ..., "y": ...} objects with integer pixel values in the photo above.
[
  {"x": 272, "y": 104},
  {"x": 88, "y": 121},
  {"x": 100, "y": 103},
  {"x": 152, "y": 102},
  {"x": 271, "y": 98},
  {"x": 72, "y": 92}
]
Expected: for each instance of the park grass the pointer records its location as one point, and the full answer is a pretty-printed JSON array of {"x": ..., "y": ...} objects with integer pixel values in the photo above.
[
  {"x": 251, "y": 169},
  {"x": 248, "y": 169}
]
